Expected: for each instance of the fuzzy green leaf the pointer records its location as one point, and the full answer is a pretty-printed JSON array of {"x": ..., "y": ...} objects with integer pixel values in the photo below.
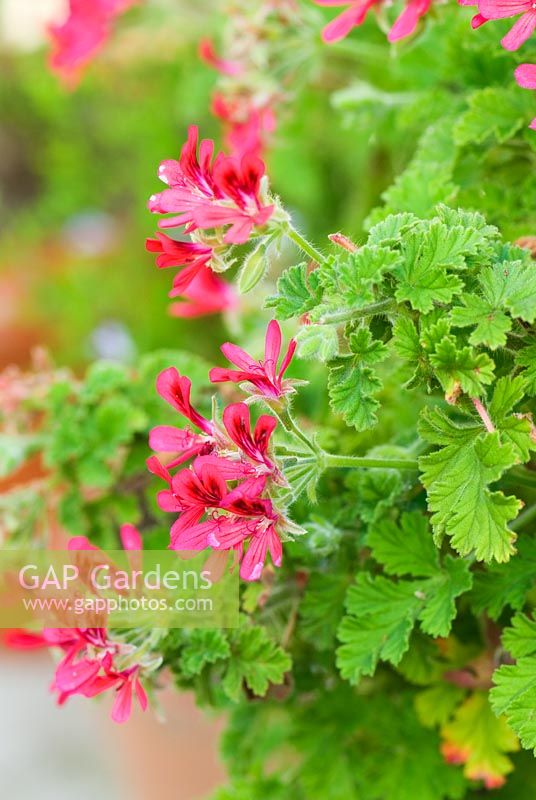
[
  {"x": 457, "y": 477},
  {"x": 297, "y": 292},
  {"x": 256, "y": 660}
]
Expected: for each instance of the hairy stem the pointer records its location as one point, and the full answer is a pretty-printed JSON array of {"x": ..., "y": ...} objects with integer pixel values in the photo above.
[
  {"x": 483, "y": 414},
  {"x": 356, "y": 313},
  {"x": 285, "y": 418},
  {"x": 332, "y": 460},
  {"x": 304, "y": 245}
]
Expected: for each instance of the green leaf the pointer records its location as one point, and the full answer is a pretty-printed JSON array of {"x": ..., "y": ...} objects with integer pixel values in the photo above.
[
  {"x": 435, "y": 705},
  {"x": 483, "y": 120},
  {"x": 352, "y": 279},
  {"x": 508, "y": 584},
  {"x": 428, "y": 251},
  {"x": 406, "y": 548},
  {"x": 103, "y": 377},
  {"x": 382, "y": 614},
  {"x": 427, "y": 180},
  {"x": 204, "y": 646},
  {"x": 318, "y": 341},
  {"x": 516, "y": 429},
  {"x": 520, "y": 639},
  {"x": 509, "y": 286},
  {"x": 461, "y": 367},
  {"x": 457, "y": 477},
  {"x": 514, "y": 695},
  {"x": 297, "y": 292},
  {"x": 389, "y": 230},
  {"x": 351, "y": 393},
  {"x": 256, "y": 660},
  {"x": 352, "y": 384},
  {"x": 483, "y": 739},
  {"x": 492, "y": 325},
  {"x": 527, "y": 358},
  {"x": 322, "y": 608},
  {"x": 440, "y": 608}
]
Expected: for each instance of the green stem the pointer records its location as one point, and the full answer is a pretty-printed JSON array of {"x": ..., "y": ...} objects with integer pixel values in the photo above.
[
  {"x": 332, "y": 460},
  {"x": 291, "y": 427},
  {"x": 528, "y": 515},
  {"x": 304, "y": 245},
  {"x": 356, "y": 313}
]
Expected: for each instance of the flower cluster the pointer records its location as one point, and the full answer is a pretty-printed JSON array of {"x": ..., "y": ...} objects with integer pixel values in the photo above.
[
  {"x": 223, "y": 498},
  {"x": 76, "y": 41},
  {"x": 518, "y": 34},
  {"x": 218, "y": 202},
  {"x": 357, "y": 11},
  {"x": 92, "y": 662},
  {"x": 246, "y": 105}
]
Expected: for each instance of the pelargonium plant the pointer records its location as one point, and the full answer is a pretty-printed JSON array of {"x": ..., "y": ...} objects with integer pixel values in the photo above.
[{"x": 364, "y": 446}]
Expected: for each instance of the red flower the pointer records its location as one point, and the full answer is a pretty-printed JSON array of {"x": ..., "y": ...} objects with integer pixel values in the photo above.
[
  {"x": 185, "y": 443},
  {"x": 501, "y": 9},
  {"x": 77, "y": 40},
  {"x": 247, "y": 126},
  {"x": 263, "y": 375},
  {"x": 526, "y": 77},
  {"x": 237, "y": 421},
  {"x": 208, "y": 54},
  {"x": 206, "y": 294},
  {"x": 210, "y": 195},
  {"x": 175, "y": 389},
  {"x": 354, "y": 15},
  {"x": 192, "y": 255},
  {"x": 408, "y": 20}
]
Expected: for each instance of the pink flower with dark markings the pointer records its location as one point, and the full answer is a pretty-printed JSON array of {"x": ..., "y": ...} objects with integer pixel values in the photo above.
[
  {"x": 175, "y": 390},
  {"x": 502, "y": 9},
  {"x": 91, "y": 662},
  {"x": 352, "y": 17},
  {"x": 237, "y": 422},
  {"x": 205, "y": 194},
  {"x": 206, "y": 294},
  {"x": 248, "y": 527},
  {"x": 526, "y": 77},
  {"x": 224, "y": 66},
  {"x": 264, "y": 376},
  {"x": 191, "y": 255},
  {"x": 76, "y": 41}
]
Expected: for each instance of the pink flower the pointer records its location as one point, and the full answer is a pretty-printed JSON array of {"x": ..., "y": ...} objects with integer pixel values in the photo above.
[
  {"x": 526, "y": 77},
  {"x": 208, "y": 54},
  {"x": 237, "y": 421},
  {"x": 210, "y": 195},
  {"x": 228, "y": 533},
  {"x": 192, "y": 255},
  {"x": 247, "y": 126},
  {"x": 408, "y": 20},
  {"x": 77, "y": 40},
  {"x": 175, "y": 390},
  {"x": 183, "y": 442},
  {"x": 263, "y": 375},
  {"x": 206, "y": 294},
  {"x": 354, "y": 15},
  {"x": 501, "y": 9}
]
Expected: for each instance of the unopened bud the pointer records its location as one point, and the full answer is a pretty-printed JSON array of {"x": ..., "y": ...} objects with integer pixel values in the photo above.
[{"x": 343, "y": 241}]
